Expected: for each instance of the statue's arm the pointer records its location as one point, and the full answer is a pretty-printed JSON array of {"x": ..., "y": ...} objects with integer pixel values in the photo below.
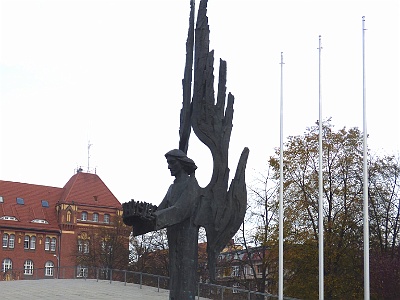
[
  {"x": 164, "y": 202},
  {"x": 181, "y": 210}
]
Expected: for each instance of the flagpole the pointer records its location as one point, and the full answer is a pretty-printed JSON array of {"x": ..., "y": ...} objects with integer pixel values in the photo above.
[
  {"x": 281, "y": 190},
  {"x": 365, "y": 177},
  {"x": 320, "y": 183}
]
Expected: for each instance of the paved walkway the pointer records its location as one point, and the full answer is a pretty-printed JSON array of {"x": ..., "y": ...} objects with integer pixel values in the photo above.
[{"x": 71, "y": 289}]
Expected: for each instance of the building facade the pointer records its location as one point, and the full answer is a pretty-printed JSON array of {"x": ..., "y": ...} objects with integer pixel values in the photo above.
[{"x": 44, "y": 228}]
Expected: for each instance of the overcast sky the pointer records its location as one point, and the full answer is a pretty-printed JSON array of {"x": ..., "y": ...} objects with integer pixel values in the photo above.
[{"x": 110, "y": 72}]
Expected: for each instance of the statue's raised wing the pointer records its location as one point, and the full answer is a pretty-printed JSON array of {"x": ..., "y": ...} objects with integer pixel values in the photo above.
[{"x": 221, "y": 211}]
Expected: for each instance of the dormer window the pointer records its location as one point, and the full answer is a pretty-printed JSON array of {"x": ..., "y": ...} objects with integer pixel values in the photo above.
[
  {"x": 1, "y": 199},
  {"x": 40, "y": 221},
  {"x": 8, "y": 218}
]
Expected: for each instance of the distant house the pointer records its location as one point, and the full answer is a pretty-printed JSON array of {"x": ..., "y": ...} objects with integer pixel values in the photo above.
[{"x": 44, "y": 227}]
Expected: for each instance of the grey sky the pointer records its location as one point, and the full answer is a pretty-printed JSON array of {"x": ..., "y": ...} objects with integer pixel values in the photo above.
[{"x": 110, "y": 72}]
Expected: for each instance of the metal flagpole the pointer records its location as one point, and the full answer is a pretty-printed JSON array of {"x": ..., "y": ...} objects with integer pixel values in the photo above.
[
  {"x": 365, "y": 171},
  {"x": 281, "y": 190},
  {"x": 320, "y": 182}
]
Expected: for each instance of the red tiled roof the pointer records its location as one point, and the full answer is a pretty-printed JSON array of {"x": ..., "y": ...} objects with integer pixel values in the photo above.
[
  {"x": 32, "y": 207},
  {"x": 82, "y": 188},
  {"x": 88, "y": 189}
]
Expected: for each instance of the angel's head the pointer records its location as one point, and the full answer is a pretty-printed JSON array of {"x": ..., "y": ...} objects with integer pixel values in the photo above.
[{"x": 178, "y": 162}]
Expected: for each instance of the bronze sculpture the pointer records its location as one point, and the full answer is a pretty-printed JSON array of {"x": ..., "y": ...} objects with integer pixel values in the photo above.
[{"x": 186, "y": 206}]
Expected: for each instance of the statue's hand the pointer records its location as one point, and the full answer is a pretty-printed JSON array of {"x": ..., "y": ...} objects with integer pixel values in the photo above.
[
  {"x": 150, "y": 217},
  {"x": 133, "y": 211}
]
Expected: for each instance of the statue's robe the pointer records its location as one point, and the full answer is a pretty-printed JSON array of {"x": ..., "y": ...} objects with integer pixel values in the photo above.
[{"x": 176, "y": 212}]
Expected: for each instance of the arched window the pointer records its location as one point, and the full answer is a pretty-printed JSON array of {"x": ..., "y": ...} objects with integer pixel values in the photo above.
[
  {"x": 53, "y": 244},
  {"x": 84, "y": 216},
  {"x": 33, "y": 242},
  {"x": 86, "y": 246},
  {"x": 95, "y": 217},
  {"x": 7, "y": 264},
  {"x": 49, "y": 268},
  {"x": 11, "y": 242},
  {"x": 28, "y": 267},
  {"x": 107, "y": 218},
  {"x": 80, "y": 246},
  {"x": 5, "y": 240},
  {"x": 69, "y": 216},
  {"x": 47, "y": 244},
  {"x": 26, "y": 242}
]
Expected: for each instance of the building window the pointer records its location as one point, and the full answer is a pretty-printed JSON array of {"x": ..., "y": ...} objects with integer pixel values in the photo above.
[
  {"x": 85, "y": 247},
  {"x": 235, "y": 271},
  {"x": 33, "y": 242},
  {"x": 235, "y": 287},
  {"x": 84, "y": 216},
  {"x": 69, "y": 216},
  {"x": 53, "y": 244},
  {"x": 28, "y": 267},
  {"x": 80, "y": 246},
  {"x": 8, "y": 218},
  {"x": 95, "y": 217},
  {"x": 40, "y": 221},
  {"x": 45, "y": 203},
  {"x": 5, "y": 240},
  {"x": 107, "y": 218},
  {"x": 20, "y": 201},
  {"x": 47, "y": 244},
  {"x": 1, "y": 199},
  {"x": 7, "y": 264},
  {"x": 250, "y": 270},
  {"x": 26, "y": 242},
  {"x": 259, "y": 269},
  {"x": 11, "y": 241},
  {"x": 49, "y": 268},
  {"x": 81, "y": 271}
]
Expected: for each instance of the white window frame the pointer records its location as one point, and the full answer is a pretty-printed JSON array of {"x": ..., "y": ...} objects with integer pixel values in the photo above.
[
  {"x": 250, "y": 272},
  {"x": 49, "y": 268},
  {"x": 107, "y": 218},
  {"x": 86, "y": 247},
  {"x": 32, "y": 244},
  {"x": 28, "y": 267},
  {"x": 6, "y": 265},
  {"x": 84, "y": 216},
  {"x": 26, "y": 242},
  {"x": 95, "y": 217},
  {"x": 5, "y": 240},
  {"x": 11, "y": 241},
  {"x": 235, "y": 287},
  {"x": 80, "y": 246},
  {"x": 47, "y": 244},
  {"x": 82, "y": 271},
  {"x": 235, "y": 271},
  {"x": 53, "y": 243}
]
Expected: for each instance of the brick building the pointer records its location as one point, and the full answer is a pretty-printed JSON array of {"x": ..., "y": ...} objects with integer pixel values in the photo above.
[{"x": 43, "y": 227}]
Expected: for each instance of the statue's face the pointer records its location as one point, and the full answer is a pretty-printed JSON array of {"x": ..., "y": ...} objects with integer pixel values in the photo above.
[{"x": 174, "y": 166}]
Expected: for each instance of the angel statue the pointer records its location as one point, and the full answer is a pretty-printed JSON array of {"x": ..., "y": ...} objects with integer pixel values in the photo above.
[{"x": 187, "y": 206}]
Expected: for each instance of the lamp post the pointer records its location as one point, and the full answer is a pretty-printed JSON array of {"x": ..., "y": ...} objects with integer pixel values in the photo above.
[{"x": 58, "y": 265}]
